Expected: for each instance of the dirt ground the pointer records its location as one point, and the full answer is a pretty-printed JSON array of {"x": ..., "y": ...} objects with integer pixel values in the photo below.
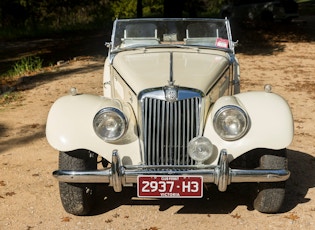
[{"x": 29, "y": 196}]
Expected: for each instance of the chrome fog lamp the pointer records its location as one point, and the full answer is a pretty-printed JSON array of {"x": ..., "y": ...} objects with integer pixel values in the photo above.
[
  {"x": 110, "y": 124},
  {"x": 200, "y": 149},
  {"x": 231, "y": 122}
]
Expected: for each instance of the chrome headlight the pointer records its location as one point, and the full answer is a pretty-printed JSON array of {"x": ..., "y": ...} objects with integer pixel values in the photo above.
[
  {"x": 110, "y": 124},
  {"x": 231, "y": 122}
]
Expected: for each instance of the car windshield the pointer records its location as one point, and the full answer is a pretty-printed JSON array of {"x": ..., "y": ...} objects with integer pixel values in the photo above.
[{"x": 137, "y": 33}]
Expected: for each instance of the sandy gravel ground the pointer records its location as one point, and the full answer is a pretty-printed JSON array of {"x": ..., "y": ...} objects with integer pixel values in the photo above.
[{"x": 29, "y": 197}]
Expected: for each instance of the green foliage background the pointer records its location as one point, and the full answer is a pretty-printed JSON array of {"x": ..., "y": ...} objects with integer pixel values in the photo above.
[
  {"x": 128, "y": 8},
  {"x": 33, "y": 17},
  {"x": 20, "y": 18}
]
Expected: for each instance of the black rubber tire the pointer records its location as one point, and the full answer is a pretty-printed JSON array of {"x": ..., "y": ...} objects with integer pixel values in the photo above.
[
  {"x": 270, "y": 196},
  {"x": 77, "y": 198}
]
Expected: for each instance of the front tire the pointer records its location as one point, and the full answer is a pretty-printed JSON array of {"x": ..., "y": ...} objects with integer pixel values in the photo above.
[
  {"x": 77, "y": 198},
  {"x": 270, "y": 196}
]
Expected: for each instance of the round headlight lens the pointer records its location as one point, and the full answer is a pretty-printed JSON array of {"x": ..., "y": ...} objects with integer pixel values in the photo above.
[
  {"x": 231, "y": 122},
  {"x": 110, "y": 124},
  {"x": 200, "y": 149}
]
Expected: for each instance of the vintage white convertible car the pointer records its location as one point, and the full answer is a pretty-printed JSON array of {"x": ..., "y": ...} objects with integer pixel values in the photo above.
[{"x": 171, "y": 120}]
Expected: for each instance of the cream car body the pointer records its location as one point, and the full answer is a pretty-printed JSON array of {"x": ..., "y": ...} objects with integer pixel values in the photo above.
[
  {"x": 171, "y": 106},
  {"x": 65, "y": 134}
]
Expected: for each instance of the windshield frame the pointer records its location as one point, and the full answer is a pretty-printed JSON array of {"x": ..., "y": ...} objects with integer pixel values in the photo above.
[{"x": 163, "y": 32}]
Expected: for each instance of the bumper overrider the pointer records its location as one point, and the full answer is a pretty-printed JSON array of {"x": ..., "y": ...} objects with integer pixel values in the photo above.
[{"x": 221, "y": 175}]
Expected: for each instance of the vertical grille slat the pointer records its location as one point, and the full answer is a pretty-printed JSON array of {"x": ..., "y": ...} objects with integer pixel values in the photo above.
[
  {"x": 162, "y": 134},
  {"x": 178, "y": 136},
  {"x": 149, "y": 140},
  {"x": 158, "y": 125},
  {"x": 153, "y": 132},
  {"x": 167, "y": 129},
  {"x": 184, "y": 132},
  {"x": 175, "y": 153}
]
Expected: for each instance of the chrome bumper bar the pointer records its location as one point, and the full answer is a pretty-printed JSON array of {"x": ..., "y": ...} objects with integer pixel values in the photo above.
[{"x": 221, "y": 175}]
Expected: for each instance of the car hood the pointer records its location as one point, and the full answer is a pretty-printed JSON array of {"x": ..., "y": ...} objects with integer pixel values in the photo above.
[{"x": 151, "y": 68}]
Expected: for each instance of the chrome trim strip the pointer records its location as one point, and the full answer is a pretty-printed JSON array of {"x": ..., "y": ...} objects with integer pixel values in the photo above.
[
  {"x": 171, "y": 69},
  {"x": 158, "y": 93}
]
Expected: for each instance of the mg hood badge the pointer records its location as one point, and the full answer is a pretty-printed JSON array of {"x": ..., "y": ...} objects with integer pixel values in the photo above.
[{"x": 171, "y": 93}]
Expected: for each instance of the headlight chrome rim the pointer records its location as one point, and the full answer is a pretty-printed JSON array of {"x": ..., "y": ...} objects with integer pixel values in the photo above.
[
  {"x": 240, "y": 127},
  {"x": 116, "y": 121}
]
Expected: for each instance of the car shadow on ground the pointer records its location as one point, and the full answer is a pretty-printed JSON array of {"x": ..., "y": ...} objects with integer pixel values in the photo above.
[
  {"x": 30, "y": 82},
  {"x": 301, "y": 180},
  {"x": 26, "y": 134},
  {"x": 272, "y": 38},
  {"x": 53, "y": 49}
]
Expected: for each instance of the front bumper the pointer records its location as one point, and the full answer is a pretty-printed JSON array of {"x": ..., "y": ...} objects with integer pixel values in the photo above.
[{"x": 221, "y": 175}]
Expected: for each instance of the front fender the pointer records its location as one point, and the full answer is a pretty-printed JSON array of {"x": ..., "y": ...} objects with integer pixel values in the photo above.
[
  {"x": 271, "y": 123},
  {"x": 70, "y": 126}
]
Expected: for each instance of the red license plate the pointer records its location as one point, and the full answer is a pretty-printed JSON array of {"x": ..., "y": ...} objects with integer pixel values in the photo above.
[{"x": 170, "y": 186}]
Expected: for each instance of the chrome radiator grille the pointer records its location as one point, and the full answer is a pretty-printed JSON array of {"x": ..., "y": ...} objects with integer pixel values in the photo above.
[{"x": 167, "y": 129}]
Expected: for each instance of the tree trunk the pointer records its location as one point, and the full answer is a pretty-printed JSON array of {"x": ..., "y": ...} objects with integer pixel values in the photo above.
[{"x": 139, "y": 9}]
